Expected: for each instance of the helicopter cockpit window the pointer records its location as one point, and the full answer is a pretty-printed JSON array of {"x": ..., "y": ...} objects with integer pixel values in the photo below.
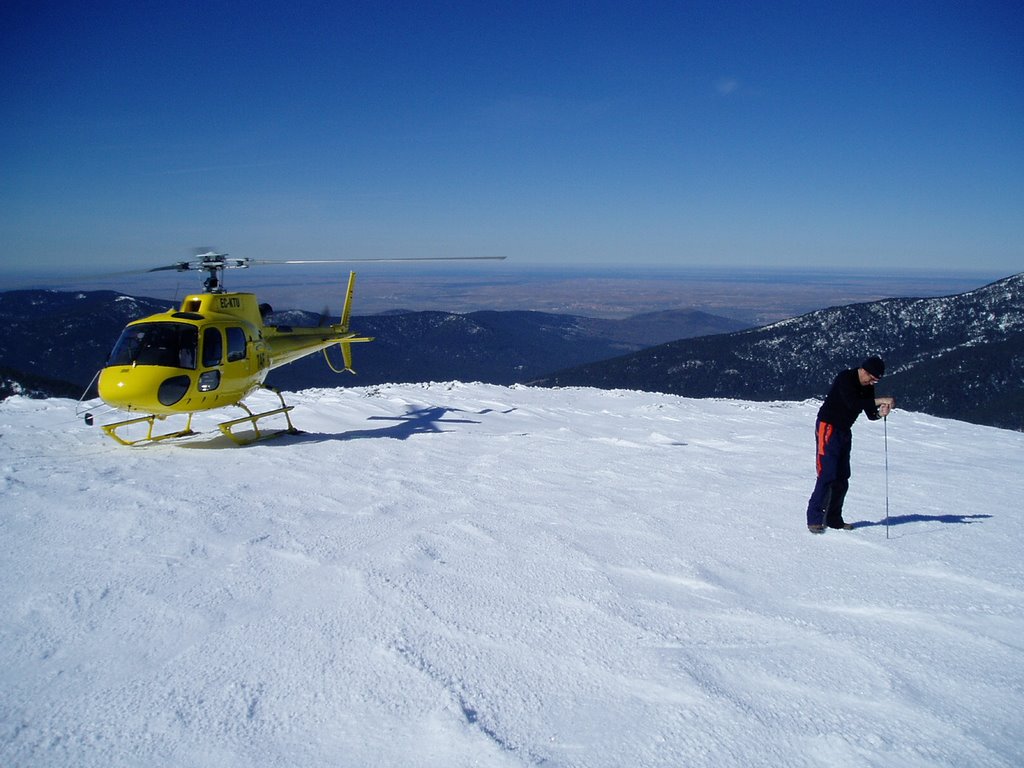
[
  {"x": 169, "y": 344},
  {"x": 213, "y": 347},
  {"x": 236, "y": 344}
]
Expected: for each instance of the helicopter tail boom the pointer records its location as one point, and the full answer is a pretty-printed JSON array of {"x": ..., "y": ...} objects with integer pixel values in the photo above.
[
  {"x": 287, "y": 346},
  {"x": 293, "y": 343}
]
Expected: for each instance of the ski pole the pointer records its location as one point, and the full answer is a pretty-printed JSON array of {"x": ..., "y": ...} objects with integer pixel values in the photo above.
[{"x": 885, "y": 431}]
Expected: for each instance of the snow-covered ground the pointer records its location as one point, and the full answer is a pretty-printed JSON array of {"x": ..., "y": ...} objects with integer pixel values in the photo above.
[{"x": 466, "y": 574}]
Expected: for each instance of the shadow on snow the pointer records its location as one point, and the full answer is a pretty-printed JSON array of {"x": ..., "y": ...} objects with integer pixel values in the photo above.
[
  {"x": 415, "y": 421},
  {"x": 905, "y": 519}
]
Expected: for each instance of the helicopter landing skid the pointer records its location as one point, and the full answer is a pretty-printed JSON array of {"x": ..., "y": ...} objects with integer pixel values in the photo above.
[
  {"x": 227, "y": 426},
  {"x": 111, "y": 429}
]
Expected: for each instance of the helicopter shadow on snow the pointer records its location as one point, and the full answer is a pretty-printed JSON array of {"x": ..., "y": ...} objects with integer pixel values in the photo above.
[{"x": 415, "y": 421}]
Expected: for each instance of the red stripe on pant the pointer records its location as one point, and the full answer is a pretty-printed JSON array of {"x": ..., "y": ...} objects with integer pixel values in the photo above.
[{"x": 824, "y": 435}]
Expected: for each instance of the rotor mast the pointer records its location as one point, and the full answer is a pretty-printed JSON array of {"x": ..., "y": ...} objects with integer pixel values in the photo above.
[{"x": 213, "y": 264}]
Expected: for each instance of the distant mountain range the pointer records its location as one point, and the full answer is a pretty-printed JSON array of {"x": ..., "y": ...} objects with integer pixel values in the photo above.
[
  {"x": 55, "y": 342},
  {"x": 492, "y": 347},
  {"x": 958, "y": 356}
]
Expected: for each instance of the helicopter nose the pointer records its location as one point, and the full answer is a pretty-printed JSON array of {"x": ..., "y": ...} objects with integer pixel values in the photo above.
[{"x": 141, "y": 388}]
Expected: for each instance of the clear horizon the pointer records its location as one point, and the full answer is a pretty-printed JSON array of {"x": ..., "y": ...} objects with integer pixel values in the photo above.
[{"x": 753, "y": 295}]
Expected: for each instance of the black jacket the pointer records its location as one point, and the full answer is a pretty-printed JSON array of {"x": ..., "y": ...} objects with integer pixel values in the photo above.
[{"x": 846, "y": 400}]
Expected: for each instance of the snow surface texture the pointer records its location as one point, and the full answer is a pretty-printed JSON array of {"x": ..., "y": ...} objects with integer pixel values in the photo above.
[{"x": 474, "y": 575}]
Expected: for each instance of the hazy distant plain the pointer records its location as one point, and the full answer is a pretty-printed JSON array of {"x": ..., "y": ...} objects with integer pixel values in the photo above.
[{"x": 751, "y": 295}]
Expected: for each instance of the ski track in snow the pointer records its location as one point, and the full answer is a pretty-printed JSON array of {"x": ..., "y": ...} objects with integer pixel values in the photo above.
[{"x": 471, "y": 575}]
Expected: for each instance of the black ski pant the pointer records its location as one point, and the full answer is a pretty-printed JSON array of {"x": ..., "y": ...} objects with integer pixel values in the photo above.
[{"x": 832, "y": 461}]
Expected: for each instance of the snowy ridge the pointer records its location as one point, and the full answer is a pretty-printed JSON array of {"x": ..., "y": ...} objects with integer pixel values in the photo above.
[
  {"x": 978, "y": 316},
  {"x": 465, "y": 574},
  {"x": 958, "y": 356}
]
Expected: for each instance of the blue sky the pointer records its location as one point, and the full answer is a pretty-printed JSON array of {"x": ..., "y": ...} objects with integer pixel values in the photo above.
[{"x": 868, "y": 135}]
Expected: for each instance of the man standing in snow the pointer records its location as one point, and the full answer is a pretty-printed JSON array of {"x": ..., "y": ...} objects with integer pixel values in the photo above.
[{"x": 852, "y": 392}]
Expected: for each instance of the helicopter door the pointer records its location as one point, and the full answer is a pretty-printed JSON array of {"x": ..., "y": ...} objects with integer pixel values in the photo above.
[
  {"x": 213, "y": 347},
  {"x": 238, "y": 379},
  {"x": 213, "y": 355}
]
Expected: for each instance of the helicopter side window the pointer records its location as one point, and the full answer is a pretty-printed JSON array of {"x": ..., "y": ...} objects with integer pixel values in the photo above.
[
  {"x": 168, "y": 344},
  {"x": 236, "y": 344},
  {"x": 213, "y": 347}
]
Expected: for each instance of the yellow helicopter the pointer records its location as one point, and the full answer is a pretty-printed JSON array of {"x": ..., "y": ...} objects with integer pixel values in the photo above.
[{"x": 214, "y": 351}]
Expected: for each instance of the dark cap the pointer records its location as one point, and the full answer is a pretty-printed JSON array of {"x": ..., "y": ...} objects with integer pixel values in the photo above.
[{"x": 874, "y": 366}]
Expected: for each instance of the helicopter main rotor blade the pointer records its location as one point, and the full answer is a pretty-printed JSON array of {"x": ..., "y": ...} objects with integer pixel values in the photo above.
[
  {"x": 179, "y": 267},
  {"x": 384, "y": 260},
  {"x": 214, "y": 263}
]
